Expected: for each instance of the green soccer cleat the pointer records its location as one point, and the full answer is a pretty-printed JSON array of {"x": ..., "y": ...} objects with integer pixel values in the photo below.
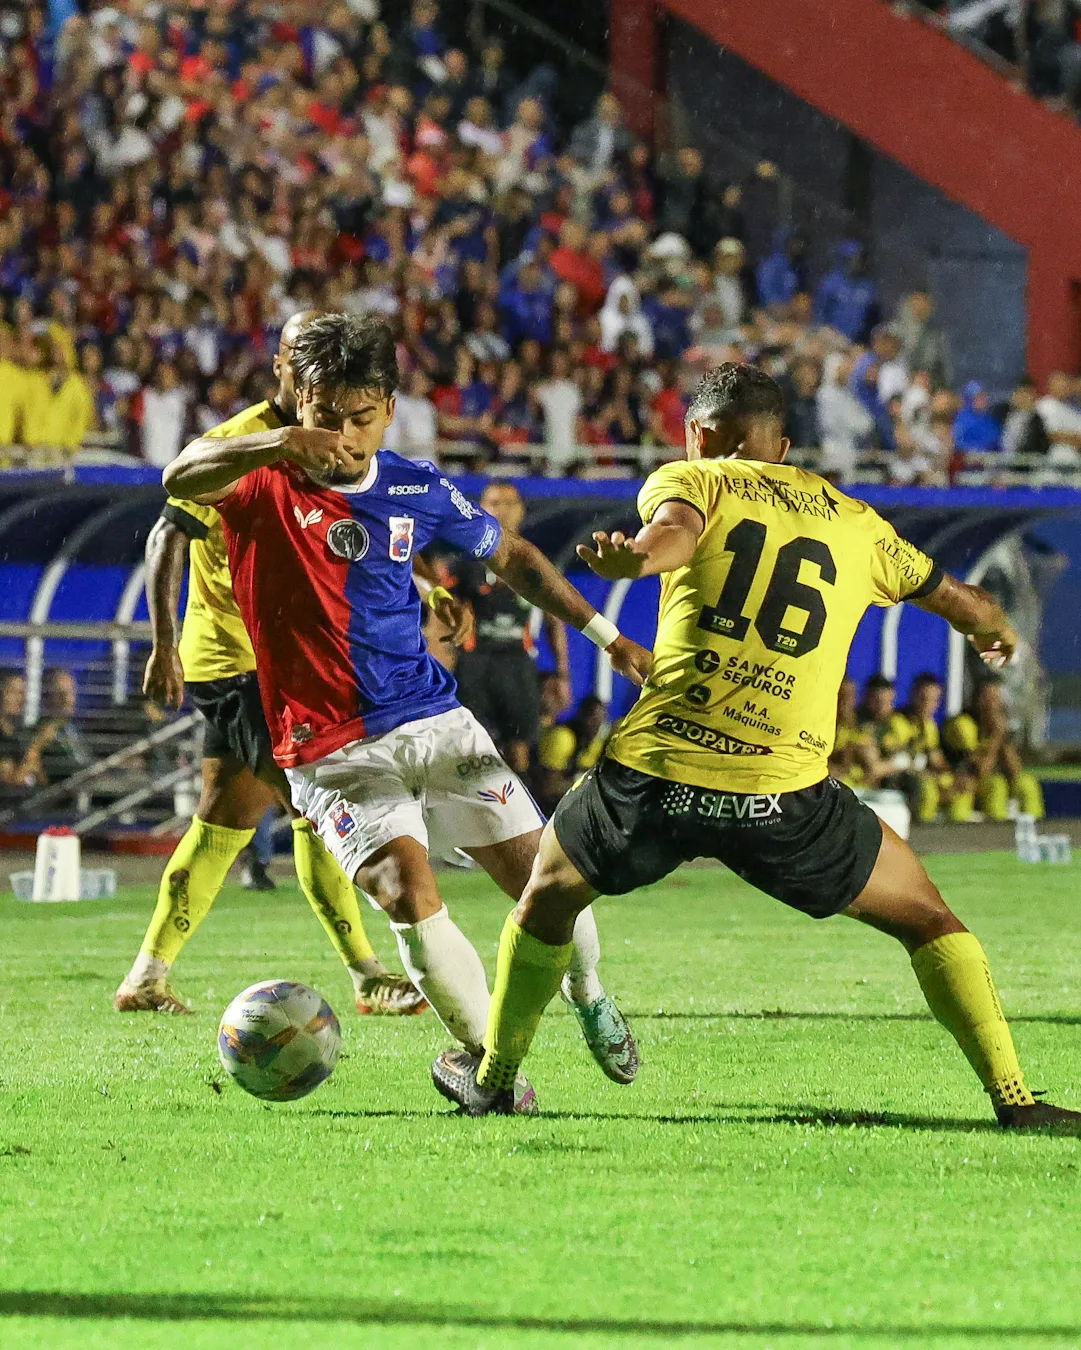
[
  {"x": 1040, "y": 1116},
  {"x": 611, "y": 1041},
  {"x": 454, "y": 1074}
]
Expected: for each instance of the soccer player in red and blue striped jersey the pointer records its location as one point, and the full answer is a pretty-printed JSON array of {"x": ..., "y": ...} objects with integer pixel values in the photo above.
[{"x": 321, "y": 526}]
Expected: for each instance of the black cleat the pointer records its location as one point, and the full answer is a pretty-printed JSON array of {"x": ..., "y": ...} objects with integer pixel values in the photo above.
[
  {"x": 254, "y": 875},
  {"x": 454, "y": 1074},
  {"x": 1040, "y": 1116}
]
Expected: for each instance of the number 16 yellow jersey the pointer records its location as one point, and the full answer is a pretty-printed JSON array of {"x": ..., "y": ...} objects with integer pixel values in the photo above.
[{"x": 753, "y": 634}]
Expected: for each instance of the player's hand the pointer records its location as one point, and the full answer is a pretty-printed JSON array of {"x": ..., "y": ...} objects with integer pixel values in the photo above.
[
  {"x": 319, "y": 452},
  {"x": 566, "y": 694},
  {"x": 163, "y": 679},
  {"x": 996, "y": 648},
  {"x": 616, "y": 557},
  {"x": 630, "y": 660},
  {"x": 458, "y": 618}
]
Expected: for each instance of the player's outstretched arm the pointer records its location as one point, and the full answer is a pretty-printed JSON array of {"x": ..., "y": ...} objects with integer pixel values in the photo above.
[
  {"x": 209, "y": 468},
  {"x": 667, "y": 543},
  {"x": 527, "y": 571},
  {"x": 166, "y": 553},
  {"x": 976, "y": 613}
]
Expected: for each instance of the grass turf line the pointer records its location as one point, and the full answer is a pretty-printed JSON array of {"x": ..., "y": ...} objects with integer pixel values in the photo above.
[{"x": 806, "y": 1159}]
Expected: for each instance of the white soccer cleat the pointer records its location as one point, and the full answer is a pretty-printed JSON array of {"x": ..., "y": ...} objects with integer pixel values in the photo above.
[
  {"x": 605, "y": 1030},
  {"x": 390, "y": 996}
]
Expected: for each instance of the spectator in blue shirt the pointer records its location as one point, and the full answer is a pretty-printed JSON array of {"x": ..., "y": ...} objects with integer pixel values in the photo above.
[
  {"x": 782, "y": 273},
  {"x": 863, "y": 382},
  {"x": 974, "y": 428},
  {"x": 847, "y": 298},
  {"x": 526, "y": 307}
]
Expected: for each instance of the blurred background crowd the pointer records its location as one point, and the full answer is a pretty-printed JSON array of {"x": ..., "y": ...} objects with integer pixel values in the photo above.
[{"x": 178, "y": 179}]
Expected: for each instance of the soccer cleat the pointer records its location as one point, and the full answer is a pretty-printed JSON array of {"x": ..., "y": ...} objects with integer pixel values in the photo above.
[
  {"x": 1040, "y": 1116},
  {"x": 149, "y": 998},
  {"x": 390, "y": 996},
  {"x": 611, "y": 1041},
  {"x": 255, "y": 877},
  {"x": 454, "y": 1074}
]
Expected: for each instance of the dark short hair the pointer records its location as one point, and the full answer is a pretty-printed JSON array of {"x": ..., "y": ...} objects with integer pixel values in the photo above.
[
  {"x": 345, "y": 352},
  {"x": 926, "y": 677},
  {"x": 735, "y": 391},
  {"x": 879, "y": 682}
]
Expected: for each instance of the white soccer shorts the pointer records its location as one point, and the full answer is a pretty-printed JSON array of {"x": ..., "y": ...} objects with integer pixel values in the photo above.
[{"x": 439, "y": 780}]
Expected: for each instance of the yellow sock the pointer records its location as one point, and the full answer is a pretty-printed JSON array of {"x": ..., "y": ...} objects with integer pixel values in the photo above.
[
  {"x": 993, "y": 795},
  {"x": 190, "y": 884},
  {"x": 331, "y": 894},
  {"x": 527, "y": 977},
  {"x": 957, "y": 984},
  {"x": 1029, "y": 795},
  {"x": 962, "y": 805}
]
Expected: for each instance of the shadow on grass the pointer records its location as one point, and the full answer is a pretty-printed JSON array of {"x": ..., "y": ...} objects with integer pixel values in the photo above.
[
  {"x": 398, "y": 1312},
  {"x": 742, "y": 1113},
  {"x": 795, "y": 1115},
  {"x": 780, "y": 1015}
]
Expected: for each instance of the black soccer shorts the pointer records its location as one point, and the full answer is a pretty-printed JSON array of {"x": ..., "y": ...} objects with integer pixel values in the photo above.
[
  {"x": 814, "y": 849},
  {"x": 235, "y": 722},
  {"x": 502, "y": 691}
]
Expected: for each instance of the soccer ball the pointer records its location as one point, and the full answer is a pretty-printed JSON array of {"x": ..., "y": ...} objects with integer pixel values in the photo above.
[{"x": 279, "y": 1040}]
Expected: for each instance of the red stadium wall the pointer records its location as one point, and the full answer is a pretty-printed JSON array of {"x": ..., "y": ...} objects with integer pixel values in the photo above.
[{"x": 924, "y": 100}]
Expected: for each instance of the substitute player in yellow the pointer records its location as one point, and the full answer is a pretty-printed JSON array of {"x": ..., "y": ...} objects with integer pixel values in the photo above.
[
  {"x": 766, "y": 571},
  {"x": 215, "y": 661}
]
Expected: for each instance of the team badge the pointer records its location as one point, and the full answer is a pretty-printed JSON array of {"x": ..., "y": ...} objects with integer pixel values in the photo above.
[
  {"x": 348, "y": 539},
  {"x": 301, "y": 733},
  {"x": 501, "y": 795},
  {"x": 401, "y": 538},
  {"x": 342, "y": 820}
]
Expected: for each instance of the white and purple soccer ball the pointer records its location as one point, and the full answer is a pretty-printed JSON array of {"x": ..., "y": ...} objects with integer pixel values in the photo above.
[{"x": 279, "y": 1040}]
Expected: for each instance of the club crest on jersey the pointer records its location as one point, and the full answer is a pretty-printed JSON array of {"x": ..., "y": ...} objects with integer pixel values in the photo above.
[
  {"x": 309, "y": 518},
  {"x": 301, "y": 733},
  {"x": 401, "y": 538},
  {"x": 501, "y": 795},
  {"x": 343, "y": 822},
  {"x": 348, "y": 539}
]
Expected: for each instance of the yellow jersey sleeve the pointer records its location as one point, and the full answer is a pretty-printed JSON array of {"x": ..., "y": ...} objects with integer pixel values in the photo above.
[
  {"x": 681, "y": 481},
  {"x": 899, "y": 570}
]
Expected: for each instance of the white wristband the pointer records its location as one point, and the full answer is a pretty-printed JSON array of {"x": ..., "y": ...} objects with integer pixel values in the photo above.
[{"x": 601, "y": 632}]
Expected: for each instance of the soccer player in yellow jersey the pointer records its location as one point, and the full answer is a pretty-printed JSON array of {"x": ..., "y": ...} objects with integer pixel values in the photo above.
[
  {"x": 766, "y": 571},
  {"x": 215, "y": 661}
]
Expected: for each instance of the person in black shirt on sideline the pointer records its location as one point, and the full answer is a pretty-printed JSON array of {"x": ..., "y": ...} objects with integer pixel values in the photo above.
[{"x": 498, "y": 680}]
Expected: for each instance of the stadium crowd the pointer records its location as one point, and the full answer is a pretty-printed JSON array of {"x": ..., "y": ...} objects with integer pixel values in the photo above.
[{"x": 179, "y": 179}]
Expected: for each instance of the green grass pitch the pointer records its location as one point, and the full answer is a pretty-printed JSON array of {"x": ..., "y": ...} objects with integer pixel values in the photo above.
[{"x": 805, "y": 1160}]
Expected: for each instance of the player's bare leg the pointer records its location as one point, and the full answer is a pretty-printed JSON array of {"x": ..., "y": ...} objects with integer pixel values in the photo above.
[
  {"x": 535, "y": 953},
  {"x": 900, "y": 899},
  {"x": 232, "y": 801},
  {"x": 333, "y": 899},
  {"x": 438, "y": 957},
  {"x": 604, "y": 1028}
]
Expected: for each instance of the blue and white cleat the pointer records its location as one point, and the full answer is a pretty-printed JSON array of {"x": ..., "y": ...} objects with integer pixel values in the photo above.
[
  {"x": 454, "y": 1074},
  {"x": 610, "y": 1039}
]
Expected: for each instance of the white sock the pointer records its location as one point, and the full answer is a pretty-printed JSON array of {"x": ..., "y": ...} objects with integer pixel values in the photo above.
[
  {"x": 148, "y": 970},
  {"x": 364, "y": 971},
  {"x": 581, "y": 984},
  {"x": 445, "y": 967}
]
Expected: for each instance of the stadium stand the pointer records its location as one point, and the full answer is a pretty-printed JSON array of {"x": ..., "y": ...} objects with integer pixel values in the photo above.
[{"x": 178, "y": 181}]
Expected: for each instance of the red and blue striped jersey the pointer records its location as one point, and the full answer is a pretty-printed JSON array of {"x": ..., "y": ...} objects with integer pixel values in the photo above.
[{"x": 324, "y": 580}]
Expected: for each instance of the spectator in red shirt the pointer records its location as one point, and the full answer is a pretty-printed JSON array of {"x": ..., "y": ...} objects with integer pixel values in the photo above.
[{"x": 576, "y": 262}]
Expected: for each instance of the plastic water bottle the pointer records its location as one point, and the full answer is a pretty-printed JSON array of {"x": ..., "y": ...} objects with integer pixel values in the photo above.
[{"x": 1025, "y": 839}]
